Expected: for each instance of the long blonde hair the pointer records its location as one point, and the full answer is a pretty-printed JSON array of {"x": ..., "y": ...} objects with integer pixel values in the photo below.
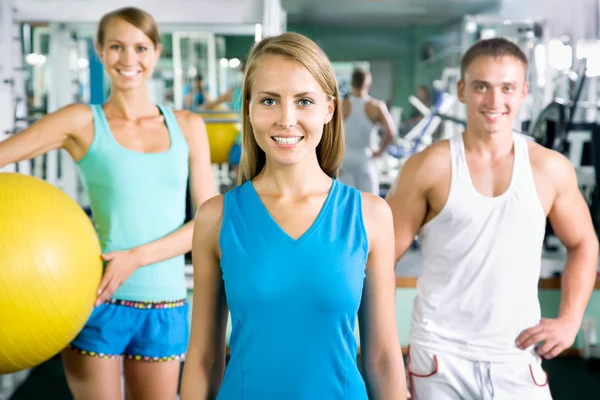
[{"x": 301, "y": 49}]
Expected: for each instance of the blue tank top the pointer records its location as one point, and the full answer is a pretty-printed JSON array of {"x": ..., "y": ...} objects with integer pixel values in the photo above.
[
  {"x": 135, "y": 199},
  {"x": 293, "y": 303}
]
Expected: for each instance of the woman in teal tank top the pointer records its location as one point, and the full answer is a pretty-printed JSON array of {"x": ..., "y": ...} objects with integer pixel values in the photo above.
[
  {"x": 292, "y": 254},
  {"x": 135, "y": 159}
]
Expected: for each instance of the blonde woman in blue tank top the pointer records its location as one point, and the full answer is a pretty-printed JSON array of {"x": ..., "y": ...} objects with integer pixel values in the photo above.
[
  {"x": 135, "y": 159},
  {"x": 293, "y": 254}
]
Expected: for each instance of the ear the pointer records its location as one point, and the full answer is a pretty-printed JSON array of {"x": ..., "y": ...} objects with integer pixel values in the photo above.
[
  {"x": 158, "y": 52},
  {"x": 99, "y": 51},
  {"x": 460, "y": 90},
  {"x": 525, "y": 89},
  {"x": 330, "y": 110}
]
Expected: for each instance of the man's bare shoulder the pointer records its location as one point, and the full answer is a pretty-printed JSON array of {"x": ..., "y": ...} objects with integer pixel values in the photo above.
[
  {"x": 434, "y": 158},
  {"x": 429, "y": 166},
  {"x": 550, "y": 163}
]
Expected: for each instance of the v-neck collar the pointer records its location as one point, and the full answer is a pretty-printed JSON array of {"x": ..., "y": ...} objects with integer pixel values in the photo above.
[{"x": 278, "y": 228}]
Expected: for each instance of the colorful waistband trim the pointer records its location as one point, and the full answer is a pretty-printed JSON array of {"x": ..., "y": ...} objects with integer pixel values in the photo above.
[
  {"x": 126, "y": 356},
  {"x": 145, "y": 305}
]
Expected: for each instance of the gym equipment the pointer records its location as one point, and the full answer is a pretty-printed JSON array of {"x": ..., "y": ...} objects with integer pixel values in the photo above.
[
  {"x": 549, "y": 129},
  {"x": 50, "y": 269},
  {"x": 420, "y": 136},
  {"x": 222, "y": 128},
  {"x": 556, "y": 120}
]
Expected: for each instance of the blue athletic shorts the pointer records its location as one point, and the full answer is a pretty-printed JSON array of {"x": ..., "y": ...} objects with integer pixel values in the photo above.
[{"x": 147, "y": 331}]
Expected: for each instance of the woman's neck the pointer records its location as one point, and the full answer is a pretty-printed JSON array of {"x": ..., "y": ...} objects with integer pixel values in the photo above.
[
  {"x": 292, "y": 180},
  {"x": 131, "y": 105}
]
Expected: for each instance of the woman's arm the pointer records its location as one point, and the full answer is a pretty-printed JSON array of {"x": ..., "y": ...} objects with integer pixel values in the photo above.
[
  {"x": 56, "y": 130},
  {"x": 205, "y": 358},
  {"x": 380, "y": 348},
  {"x": 226, "y": 97}
]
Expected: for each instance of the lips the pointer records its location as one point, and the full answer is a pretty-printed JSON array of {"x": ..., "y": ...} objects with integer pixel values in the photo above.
[{"x": 128, "y": 73}]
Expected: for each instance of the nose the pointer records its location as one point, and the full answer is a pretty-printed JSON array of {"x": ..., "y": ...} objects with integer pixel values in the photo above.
[
  {"x": 494, "y": 98},
  {"x": 128, "y": 56},
  {"x": 287, "y": 116}
]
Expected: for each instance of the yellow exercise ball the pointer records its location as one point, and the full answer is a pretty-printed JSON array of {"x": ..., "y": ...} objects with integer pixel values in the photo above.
[
  {"x": 50, "y": 269},
  {"x": 221, "y": 135}
]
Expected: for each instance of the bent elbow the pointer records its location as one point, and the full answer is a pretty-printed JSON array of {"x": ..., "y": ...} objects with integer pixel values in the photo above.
[{"x": 387, "y": 364}]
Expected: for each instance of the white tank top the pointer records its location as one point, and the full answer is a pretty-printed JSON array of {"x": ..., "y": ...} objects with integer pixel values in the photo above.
[
  {"x": 359, "y": 130},
  {"x": 481, "y": 265}
]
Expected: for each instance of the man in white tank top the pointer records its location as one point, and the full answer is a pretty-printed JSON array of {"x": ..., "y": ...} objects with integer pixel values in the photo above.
[
  {"x": 363, "y": 115},
  {"x": 479, "y": 203}
]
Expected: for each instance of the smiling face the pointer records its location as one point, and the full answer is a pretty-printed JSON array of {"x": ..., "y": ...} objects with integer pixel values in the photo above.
[
  {"x": 128, "y": 54},
  {"x": 288, "y": 110},
  {"x": 493, "y": 89}
]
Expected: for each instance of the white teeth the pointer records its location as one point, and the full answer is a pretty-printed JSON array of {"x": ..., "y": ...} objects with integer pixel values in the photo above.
[
  {"x": 493, "y": 115},
  {"x": 287, "y": 140},
  {"x": 128, "y": 73}
]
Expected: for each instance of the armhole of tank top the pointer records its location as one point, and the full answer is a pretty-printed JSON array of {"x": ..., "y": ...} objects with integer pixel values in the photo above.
[
  {"x": 99, "y": 124},
  {"x": 455, "y": 154},
  {"x": 454, "y": 161},
  {"x": 361, "y": 221},
  {"x": 175, "y": 132},
  {"x": 226, "y": 201},
  {"x": 526, "y": 170}
]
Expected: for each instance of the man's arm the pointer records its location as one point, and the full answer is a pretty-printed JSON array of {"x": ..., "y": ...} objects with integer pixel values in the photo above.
[
  {"x": 408, "y": 200},
  {"x": 572, "y": 224}
]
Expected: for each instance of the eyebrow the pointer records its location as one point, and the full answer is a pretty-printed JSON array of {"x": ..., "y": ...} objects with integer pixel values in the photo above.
[
  {"x": 119, "y": 42},
  {"x": 273, "y": 94},
  {"x": 486, "y": 83}
]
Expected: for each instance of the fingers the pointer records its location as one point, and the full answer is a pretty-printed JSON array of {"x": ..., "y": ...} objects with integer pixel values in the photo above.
[
  {"x": 559, "y": 348},
  {"x": 103, "y": 285},
  {"x": 551, "y": 349},
  {"x": 108, "y": 285},
  {"x": 548, "y": 345},
  {"x": 530, "y": 337},
  {"x": 108, "y": 256},
  {"x": 104, "y": 289},
  {"x": 109, "y": 289}
]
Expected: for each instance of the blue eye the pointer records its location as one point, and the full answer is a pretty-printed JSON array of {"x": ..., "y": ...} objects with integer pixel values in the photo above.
[
  {"x": 305, "y": 102},
  {"x": 268, "y": 102}
]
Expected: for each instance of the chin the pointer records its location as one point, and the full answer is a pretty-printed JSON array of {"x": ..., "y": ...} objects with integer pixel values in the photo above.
[
  {"x": 128, "y": 86},
  {"x": 284, "y": 161}
]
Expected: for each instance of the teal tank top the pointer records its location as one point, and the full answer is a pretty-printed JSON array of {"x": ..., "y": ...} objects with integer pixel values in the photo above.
[
  {"x": 137, "y": 198},
  {"x": 293, "y": 303}
]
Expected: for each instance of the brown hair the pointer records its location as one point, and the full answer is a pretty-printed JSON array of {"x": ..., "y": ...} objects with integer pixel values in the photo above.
[
  {"x": 301, "y": 49},
  {"x": 359, "y": 77},
  {"x": 494, "y": 47},
  {"x": 136, "y": 17}
]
